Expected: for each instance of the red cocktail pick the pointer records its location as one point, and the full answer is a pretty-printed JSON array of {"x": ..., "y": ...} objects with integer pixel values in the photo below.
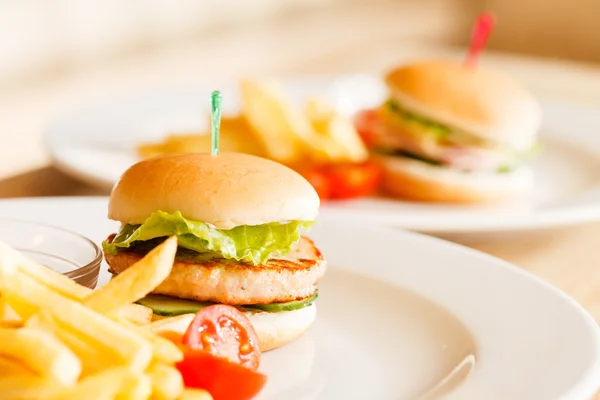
[{"x": 481, "y": 31}]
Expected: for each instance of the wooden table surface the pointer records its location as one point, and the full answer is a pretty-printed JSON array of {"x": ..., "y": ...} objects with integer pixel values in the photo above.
[{"x": 568, "y": 257}]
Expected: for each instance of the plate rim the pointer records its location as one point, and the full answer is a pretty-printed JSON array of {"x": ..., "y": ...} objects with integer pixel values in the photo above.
[{"x": 587, "y": 385}]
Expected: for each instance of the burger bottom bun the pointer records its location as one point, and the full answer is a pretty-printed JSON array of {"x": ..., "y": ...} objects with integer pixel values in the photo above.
[
  {"x": 278, "y": 329},
  {"x": 274, "y": 329},
  {"x": 410, "y": 179}
]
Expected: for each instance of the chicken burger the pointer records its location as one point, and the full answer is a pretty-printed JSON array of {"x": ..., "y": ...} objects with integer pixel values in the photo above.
[
  {"x": 239, "y": 221},
  {"x": 452, "y": 133}
]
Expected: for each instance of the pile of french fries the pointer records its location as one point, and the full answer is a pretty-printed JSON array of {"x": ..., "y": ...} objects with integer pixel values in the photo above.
[
  {"x": 63, "y": 341},
  {"x": 271, "y": 126}
]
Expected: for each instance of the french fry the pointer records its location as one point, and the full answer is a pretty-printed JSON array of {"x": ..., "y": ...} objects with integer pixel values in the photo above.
[
  {"x": 338, "y": 140},
  {"x": 8, "y": 316},
  {"x": 290, "y": 135},
  {"x": 137, "y": 281},
  {"x": 27, "y": 296},
  {"x": 69, "y": 288},
  {"x": 50, "y": 278},
  {"x": 27, "y": 387},
  {"x": 282, "y": 129},
  {"x": 93, "y": 358},
  {"x": 177, "y": 324},
  {"x": 138, "y": 387},
  {"x": 79, "y": 326},
  {"x": 11, "y": 324},
  {"x": 318, "y": 110},
  {"x": 342, "y": 132},
  {"x": 23, "y": 307},
  {"x": 127, "y": 347},
  {"x": 12, "y": 366},
  {"x": 163, "y": 349},
  {"x": 238, "y": 136},
  {"x": 235, "y": 136},
  {"x": 166, "y": 382},
  {"x": 135, "y": 313},
  {"x": 59, "y": 283},
  {"x": 74, "y": 344},
  {"x": 196, "y": 394},
  {"x": 104, "y": 385},
  {"x": 42, "y": 353}
]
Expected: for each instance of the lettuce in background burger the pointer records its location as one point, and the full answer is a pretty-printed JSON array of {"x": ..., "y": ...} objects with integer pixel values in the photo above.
[
  {"x": 239, "y": 221},
  {"x": 452, "y": 133}
]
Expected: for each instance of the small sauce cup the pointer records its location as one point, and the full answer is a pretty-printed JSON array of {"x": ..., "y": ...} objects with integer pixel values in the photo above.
[{"x": 67, "y": 252}]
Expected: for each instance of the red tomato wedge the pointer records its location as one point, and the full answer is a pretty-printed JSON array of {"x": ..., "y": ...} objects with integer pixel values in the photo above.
[
  {"x": 224, "y": 332},
  {"x": 345, "y": 180},
  {"x": 220, "y": 354},
  {"x": 320, "y": 181},
  {"x": 224, "y": 380},
  {"x": 353, "y": 180}
]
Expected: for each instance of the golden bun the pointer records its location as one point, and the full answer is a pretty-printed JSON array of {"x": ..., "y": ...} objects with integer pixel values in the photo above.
[
  {"x": 276, "y": 329},
  {"x": 226, "y": 190},
  {"x": 479, "y": 101},
  {"x": 410, "y": 179}
]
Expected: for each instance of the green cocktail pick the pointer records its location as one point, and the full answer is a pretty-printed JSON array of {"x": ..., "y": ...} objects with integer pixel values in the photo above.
[{"x": 215, "y": 116}]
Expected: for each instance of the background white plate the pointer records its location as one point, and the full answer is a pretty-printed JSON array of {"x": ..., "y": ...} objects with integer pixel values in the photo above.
[
  {"x": 401, "y": 314},
  {"x": 96, "y": 144}
]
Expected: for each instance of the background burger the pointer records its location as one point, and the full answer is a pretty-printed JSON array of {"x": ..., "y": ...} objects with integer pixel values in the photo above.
[
  {"x": 238, "y": 219},
  {"x": 452, "y": 133}
]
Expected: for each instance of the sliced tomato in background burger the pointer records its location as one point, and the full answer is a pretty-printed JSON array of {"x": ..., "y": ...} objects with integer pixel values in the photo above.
[
  {"x": 364, "y": 122},
  {"x": 225, "y": 332},
  {"x": 223, "y": 379}
]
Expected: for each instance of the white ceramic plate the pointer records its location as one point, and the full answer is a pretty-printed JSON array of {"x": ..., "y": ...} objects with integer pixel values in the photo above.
[
  {"x": 96, "y": 144},
  {"x": 402, "y": 315}
]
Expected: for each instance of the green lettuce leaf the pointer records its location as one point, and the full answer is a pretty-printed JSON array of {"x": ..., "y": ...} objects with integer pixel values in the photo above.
[
  {"x": 243, "y": 243},
  {"x": 426, "y": 125}
]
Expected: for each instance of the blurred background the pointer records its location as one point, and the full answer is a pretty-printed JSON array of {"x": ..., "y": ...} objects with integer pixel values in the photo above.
[
  {"x": 58, "y": 54},
  {"x": 49, "y": 37}
]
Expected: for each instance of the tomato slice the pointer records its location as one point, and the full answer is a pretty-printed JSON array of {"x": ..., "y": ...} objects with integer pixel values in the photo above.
[
  {"x": 224, "y": 380},
  {"x": 224, "y": 332},
  {"x": 320, "y": 182}
]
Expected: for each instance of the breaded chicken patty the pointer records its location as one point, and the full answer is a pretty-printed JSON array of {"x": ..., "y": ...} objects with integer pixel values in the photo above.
[{"x": 279, "y": 280}]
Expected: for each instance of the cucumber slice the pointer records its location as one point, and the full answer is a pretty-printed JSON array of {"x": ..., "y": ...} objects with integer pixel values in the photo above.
[
  {"x": 289, "y": 306},
  {"x": 171, "y": 306}
]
